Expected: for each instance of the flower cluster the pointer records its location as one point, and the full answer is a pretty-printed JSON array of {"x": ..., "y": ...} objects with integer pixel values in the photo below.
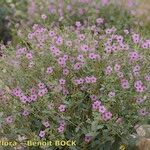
[{"x": 77, "y": 82}]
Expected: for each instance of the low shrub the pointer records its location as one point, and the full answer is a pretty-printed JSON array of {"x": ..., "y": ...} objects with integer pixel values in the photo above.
[{"x": 82, "y": 83}]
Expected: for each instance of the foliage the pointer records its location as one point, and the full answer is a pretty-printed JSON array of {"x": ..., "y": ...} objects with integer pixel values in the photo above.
[
  {"x": 75, "y": 70},
  {"x": 85, "y": 83}
]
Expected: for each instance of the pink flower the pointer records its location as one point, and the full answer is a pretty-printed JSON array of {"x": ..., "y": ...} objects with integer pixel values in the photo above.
[
  {"x": 105, "y": 2},
  {"x": 138, "y": 84},
  {"x": 56, "y": 53},
  {"x": 51, "y": 33},
  {"x": 114, "y": 48},
  {"x": 108, "y": 49},
  {"x": 126, "y": 31},
  {"x": 87, "y": 138},
  {"x": 81, "y": 37},
  {"x": 92, "y": 56},
  {"x": 69, "y": 43},
  {"x": 80, "y": 57},
  {"x": 93, "y": 79},
  {"x": 125, "y": 84},
  {"x": 80, "y": 81},
  {"x": 143, "y": 112},
  {"x": 62, "y": 82},
  {"x": 140, "y": 89},
  {"x": 102, "y": 109},
  {"x": 45, "y": 90},
  {"x": 96, "y": 105},
  {"x": 9, "y": 119},
  {"x": 23, "y": 98},
  {"x": 134, "y": 56},
  {"x": 84, "y": 48},
  {"x": 49, "y": 70},
  {"x": 93, "y": 97},
  {"x": 136, "y": 70},
  {"x": 77, "y": 66},
  {"x": 87, "y": 79},
  {"x": 145, "y": 45},
  {"x": 52, "y": 9},
  {"x": 108, "y": 31},
  {"x": 99, "y": 20},
  {"x": 120, "y": 74},
  {"x": 42, "y": 92},
  {"x": 107, "y": 116},
  {"x": 69, "y": 8},
  {"x": 65, "y": 92},
  {"x": 61, "y": 129},
  {"x": 30, "y": 36},
  {"x": 21, "y": 51},
  {"x": 119, "y": 39},
  {"x": 46, "y": 124},
  {"x": 147, "y": 78},
  {"x": 59, "y": 41},
  {"x": 25, "y": 113},
  {"x": 33, "y": 91},
  {"x": 61, "y": 61},
  {"x": 31, "y": 64},
  {"x": 41, "y": 85},
  {"x": 78, "y": 24},
  {"x": 130, "y": 3},
  {"x": 136, "y": 38},
  {"x": 29, "y": 56},
  {"x": 42, "y": 134},
  {"x": 33, "y": 97},
  {"x": 111, "y": 94},
  {"x": 117, "y": 67},
  {"x": 65, "y": 72},
  {"x": 43, "y": 16},
  {"x": 50, "y": 106},
  {"x": 108, "y": 70},
  {"x": 62, "y": 108},
  {"x": 62, "y": 123},
  {"x": 17, "y": 92},
  {"x": 140, "y": 100},
  {"x": 65, "y": 57},
  {"x": 72, "y": 59}
]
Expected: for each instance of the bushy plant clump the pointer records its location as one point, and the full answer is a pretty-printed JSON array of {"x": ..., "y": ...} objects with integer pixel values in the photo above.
[
  {"x": 64, "y": 13},
  {"x": 83, "y": 83}
]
